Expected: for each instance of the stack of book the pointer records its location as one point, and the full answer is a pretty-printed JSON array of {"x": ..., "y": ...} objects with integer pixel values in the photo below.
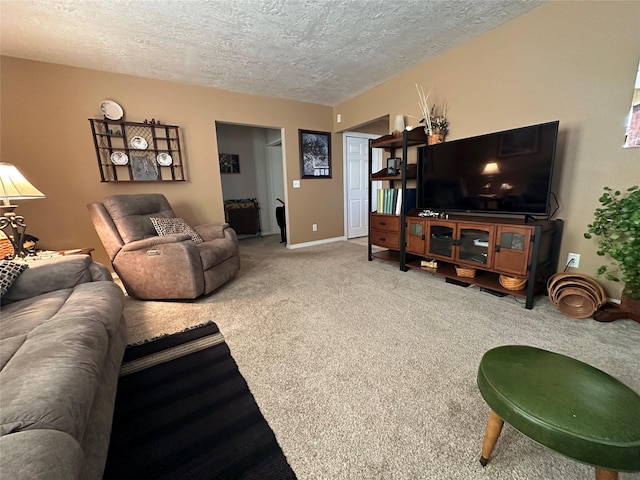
[{"x": 390, "y": 200}]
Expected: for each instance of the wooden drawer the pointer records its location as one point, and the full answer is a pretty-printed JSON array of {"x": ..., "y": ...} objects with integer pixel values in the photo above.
[
  {"x": 385, "y": 238},
  {"x": 388, "y": 223}
]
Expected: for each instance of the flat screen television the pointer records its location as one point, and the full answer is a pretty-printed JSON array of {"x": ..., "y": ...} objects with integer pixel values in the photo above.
[{"x": 508, "y": 172}]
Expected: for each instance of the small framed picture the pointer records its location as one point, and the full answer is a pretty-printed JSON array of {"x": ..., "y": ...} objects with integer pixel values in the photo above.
[
  {"x": 315, "y": 154},
  {"x": 143, "y": 168},
  {"x": 394, "y": 165},
  {"x": 229, "y": 163}
]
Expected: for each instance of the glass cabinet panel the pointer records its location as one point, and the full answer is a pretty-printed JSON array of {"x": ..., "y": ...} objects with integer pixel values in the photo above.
[
  {"x": 512, "y": 253},
  {"x": 441, "y": 240},
  {"x": 512, "y": 241},
  {"x": 415, "y": 239},
  {"x": 474, "y": 245}
]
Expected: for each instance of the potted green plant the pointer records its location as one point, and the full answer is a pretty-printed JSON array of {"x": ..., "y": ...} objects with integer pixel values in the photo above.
[{"x": 617, "y": 226}]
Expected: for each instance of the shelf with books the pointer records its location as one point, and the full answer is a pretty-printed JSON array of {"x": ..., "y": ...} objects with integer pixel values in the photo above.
[
  {"x": 394, "y": 199},
  {"x": 391, "y": 200}
]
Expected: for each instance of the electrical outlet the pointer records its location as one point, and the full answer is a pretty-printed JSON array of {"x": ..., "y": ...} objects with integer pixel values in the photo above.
[
  {"x": 315, "y": 227},
  {"x": 573, "y": 260}
]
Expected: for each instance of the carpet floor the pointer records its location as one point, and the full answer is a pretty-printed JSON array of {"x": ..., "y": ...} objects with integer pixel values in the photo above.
[
  {"x": 365, "y": 372},
  {"x": 184, "y": 411}
]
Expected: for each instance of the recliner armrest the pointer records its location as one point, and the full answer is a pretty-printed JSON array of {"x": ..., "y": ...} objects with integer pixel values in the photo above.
[
  {"x": 151, "y": 242},
  {"x": 211, "y": 231}
]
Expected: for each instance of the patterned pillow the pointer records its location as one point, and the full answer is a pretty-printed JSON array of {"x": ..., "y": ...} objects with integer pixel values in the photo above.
[
  {"x": 170, "y": 226},
  {"x": 9, "y": 271}
]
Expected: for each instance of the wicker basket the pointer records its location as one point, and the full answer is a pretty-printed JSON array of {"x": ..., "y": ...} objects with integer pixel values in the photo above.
[
  {"x": 512, "y": 283},
  {"x": 429, "y": 264},
  {"x": 6, "y": 248},
  {"x": 435, "y": 138},
  {"x": 467, "y": 272}
]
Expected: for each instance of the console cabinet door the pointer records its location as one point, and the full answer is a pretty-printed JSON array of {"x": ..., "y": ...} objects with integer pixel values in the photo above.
[
  {"x": 441, "y": 236},
  {"x": 475, "y": 244},
  {"x": 415, "y": 236},
  {"x": 513, "y": 246}
]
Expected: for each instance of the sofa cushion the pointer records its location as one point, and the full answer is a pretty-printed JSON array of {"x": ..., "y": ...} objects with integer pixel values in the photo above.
[
  {"x": 51, "y": 379},
  {"x": 40, "y": 455},
  {"x": 8, "y": 347},
  {"x": 55, "y": 274},
  {"x": 19, "y": 318},
  {"x": 9, "y": 272},
  {"x": 171, "y": 226}
]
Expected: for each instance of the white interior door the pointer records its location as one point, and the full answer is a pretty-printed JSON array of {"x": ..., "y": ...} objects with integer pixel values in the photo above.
[{"x": 356, "y": 152}]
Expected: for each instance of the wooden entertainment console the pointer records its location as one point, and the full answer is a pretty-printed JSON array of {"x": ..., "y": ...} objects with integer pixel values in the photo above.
[
  {"x": 490, "y": 247},
  {"x": 485, "y": 247}
]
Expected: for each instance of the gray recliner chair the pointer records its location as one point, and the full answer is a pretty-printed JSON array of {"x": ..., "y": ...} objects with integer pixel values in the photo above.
[{"x": 169, "y": 266}]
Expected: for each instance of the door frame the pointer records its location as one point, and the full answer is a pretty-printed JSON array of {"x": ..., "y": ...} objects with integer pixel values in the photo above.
[
  {"x": 346, "y": 172},
  {"x": 271, "y": 159}
]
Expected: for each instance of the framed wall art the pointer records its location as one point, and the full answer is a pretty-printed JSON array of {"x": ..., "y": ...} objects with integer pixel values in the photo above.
[
  {"x": 143, "y": 168},
  {"x": 229, "y": 163},
  {"x": 394, "y": 166},
  {"x": 315, "y": 154}
]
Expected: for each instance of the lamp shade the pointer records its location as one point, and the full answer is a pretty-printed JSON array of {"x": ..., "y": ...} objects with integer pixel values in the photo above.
[
  {"x": 13, "y": 185},
  {"x": 491, "y": 168}
]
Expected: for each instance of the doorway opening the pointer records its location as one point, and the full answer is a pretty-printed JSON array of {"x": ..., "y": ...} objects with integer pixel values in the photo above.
[{"x": 252, "y": 177}]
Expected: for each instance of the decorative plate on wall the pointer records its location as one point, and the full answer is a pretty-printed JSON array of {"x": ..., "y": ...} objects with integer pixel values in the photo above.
[
  {"x": 164, "y": 159},
  {"x": 111, "y": 110},
  {"x": 119, "y": 158},
  {"x": 139, "y": 143}
]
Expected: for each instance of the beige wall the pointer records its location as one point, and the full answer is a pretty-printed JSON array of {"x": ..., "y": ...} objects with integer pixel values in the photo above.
[
  {"x": 45, "y": 132},
  {"x": 568, "y": 61}
]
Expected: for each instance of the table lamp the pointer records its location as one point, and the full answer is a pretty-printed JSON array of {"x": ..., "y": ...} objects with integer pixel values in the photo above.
[{"x": 13, "y": 186}]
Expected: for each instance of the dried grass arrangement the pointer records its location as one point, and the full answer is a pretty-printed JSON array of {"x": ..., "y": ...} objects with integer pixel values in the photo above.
[{"x": 435, "y": 122}]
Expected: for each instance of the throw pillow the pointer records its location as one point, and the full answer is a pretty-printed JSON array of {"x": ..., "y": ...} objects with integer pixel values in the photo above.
[
  {"x": 170, "y": 226},
  {"x": 9, "y": 271}
]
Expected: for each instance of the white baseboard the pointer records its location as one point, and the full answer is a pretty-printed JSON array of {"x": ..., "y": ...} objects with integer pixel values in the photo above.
[{"x": 316, "y": 242}]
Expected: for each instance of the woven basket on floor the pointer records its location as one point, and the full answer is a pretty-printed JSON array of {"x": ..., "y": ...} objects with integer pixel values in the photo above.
[
  {"x": 465, "y": 272},
  {"x": 512, "y": 283}
]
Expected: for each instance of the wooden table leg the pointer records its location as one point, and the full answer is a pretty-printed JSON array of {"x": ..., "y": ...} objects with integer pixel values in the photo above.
[
  {"x": 602, "y": 474},
  {"x": 494, "y": 428}
]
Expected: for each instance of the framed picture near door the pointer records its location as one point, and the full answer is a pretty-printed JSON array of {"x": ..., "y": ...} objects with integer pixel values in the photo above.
[
  {"x": 229, "y": 163},
  {"x": 315, "y": 154}
]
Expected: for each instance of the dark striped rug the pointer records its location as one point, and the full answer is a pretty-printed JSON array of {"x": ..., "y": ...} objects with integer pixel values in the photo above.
[{"x": 184, "y": 411}]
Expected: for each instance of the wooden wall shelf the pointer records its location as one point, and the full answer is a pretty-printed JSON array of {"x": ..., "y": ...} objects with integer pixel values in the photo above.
[{"x": 137, "y": 152}]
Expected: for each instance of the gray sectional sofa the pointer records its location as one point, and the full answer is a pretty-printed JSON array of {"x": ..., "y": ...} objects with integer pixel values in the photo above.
[{"x": 62, "y": 338}]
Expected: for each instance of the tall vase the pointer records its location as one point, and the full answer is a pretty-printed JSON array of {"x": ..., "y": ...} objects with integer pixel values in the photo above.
[
  {"x": 435, "y": 138},
  {"x": 398, "y": 124}
]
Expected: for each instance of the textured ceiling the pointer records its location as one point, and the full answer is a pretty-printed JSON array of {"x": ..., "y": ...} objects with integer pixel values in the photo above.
[{"x": 320, "y": 51}]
